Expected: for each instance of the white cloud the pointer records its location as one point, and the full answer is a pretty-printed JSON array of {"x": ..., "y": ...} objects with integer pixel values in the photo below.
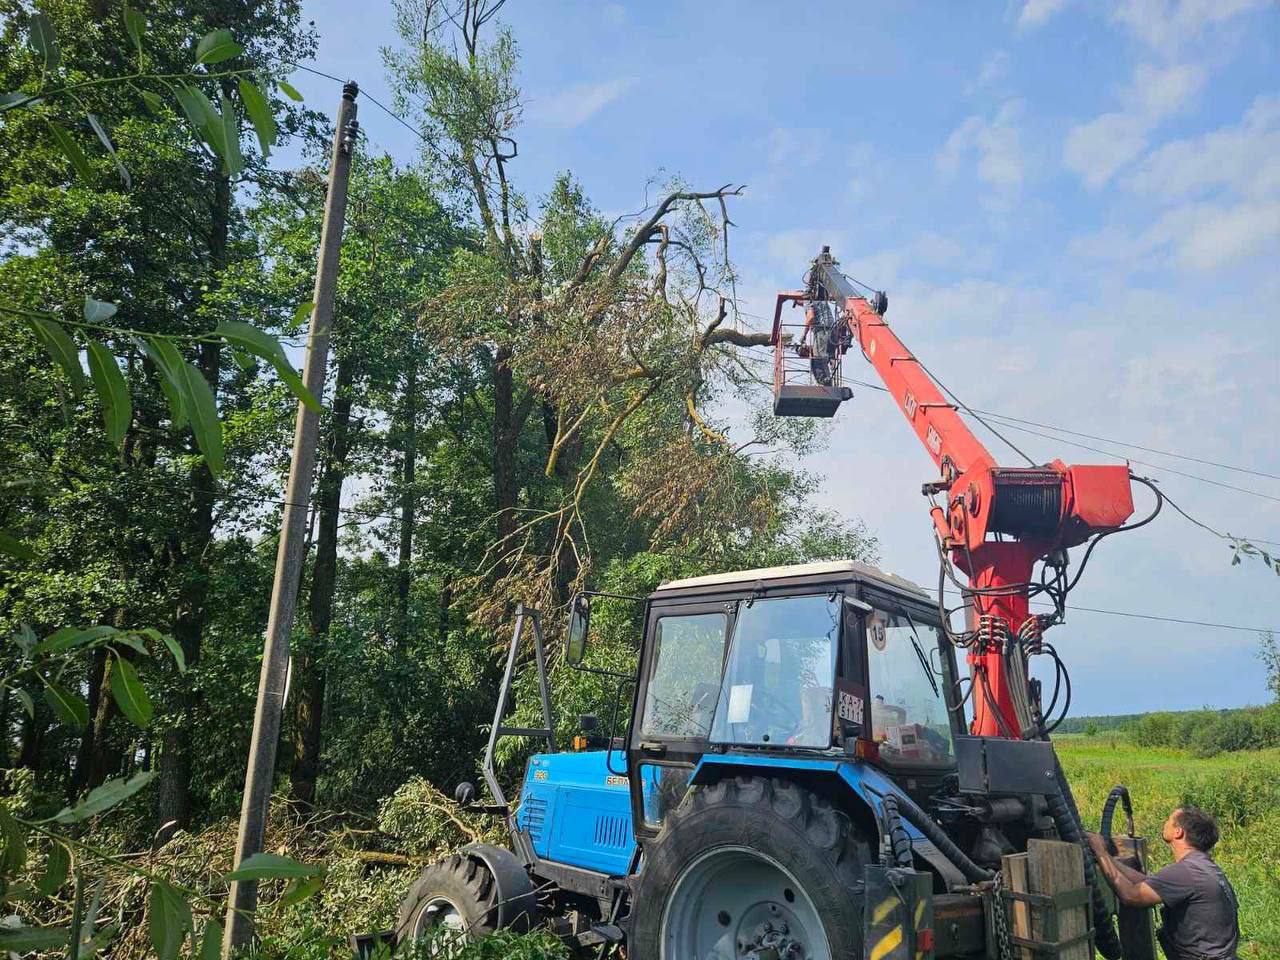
[
  {"x": 992, "y": 73},
  {"x": 797, "y": 146},
  {"x": 1036, "y": 12},
  {"x": 1244, "y": 158},
  {"x": 1194, "y": 236},
  {"x": 1098, "y": 149},
  {"x": 1171, "y": 25},
  {"x": 791, "y": 250},
  {"x": 576, "y": 105},
  {"x": 1159, "y": 92},
  {"x": 996, "y": 144},
  {"x": 1226, "y": 187},
  {"x": 1208, "y": 236}
]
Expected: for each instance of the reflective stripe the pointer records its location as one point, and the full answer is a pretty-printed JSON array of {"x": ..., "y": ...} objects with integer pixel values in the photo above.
[
  {"x": 919, "y": 914},
  {"x": 888, "y": 943},
  {"x": 882, "y": 912}
]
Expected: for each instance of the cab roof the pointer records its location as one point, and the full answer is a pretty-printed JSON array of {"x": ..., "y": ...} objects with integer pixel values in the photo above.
[{"x": 843, "y": 569}]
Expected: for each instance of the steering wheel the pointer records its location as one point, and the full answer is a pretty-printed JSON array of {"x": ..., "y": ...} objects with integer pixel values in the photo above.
[{"x": 769, "y": 702}]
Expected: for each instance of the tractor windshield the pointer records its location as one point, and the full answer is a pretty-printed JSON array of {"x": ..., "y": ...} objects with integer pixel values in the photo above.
[{"x": 781, "y": 670}]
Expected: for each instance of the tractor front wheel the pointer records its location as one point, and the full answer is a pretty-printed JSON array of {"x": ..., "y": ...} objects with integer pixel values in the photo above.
[
  {"x": 454, "y": 900},
  {"x": 752, "y": 867}
]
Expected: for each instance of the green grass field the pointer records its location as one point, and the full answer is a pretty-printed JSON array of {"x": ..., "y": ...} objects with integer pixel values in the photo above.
[{"x": 1242, "y": 789}]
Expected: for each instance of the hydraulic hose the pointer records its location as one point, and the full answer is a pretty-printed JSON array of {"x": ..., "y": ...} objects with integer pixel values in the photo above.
[
  {"x": 1118, "y": 794},
  {"x": 899, "y": 841},
  {"x": 1066, "y": 816},
  {"x": 920, "y": 820}
]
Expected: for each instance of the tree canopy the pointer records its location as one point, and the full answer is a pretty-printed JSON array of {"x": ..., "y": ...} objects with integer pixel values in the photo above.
[{"x": 525, "y": 398}]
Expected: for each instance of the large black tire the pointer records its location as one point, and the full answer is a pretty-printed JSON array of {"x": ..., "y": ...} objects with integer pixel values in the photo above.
[
  {"x": 800, "y": 831},
  {"x": 461, "y": 882}
]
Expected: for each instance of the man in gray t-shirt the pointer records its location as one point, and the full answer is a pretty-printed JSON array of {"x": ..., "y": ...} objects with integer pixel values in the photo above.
[{"x": 1200, "y": 914}]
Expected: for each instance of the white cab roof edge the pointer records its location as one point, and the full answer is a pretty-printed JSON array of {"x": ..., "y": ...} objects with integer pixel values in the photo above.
[{"x": 795, "y": 570}]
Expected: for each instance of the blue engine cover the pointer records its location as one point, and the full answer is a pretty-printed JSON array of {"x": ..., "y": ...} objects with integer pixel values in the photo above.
[{"x": 577, "y": 812}]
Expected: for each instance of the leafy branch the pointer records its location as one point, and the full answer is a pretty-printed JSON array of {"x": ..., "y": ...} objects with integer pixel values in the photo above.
[
  {"x": 215, "y": 125},
  {"x": 171, "y": 920},
  {"x": 188, "y": 393}
]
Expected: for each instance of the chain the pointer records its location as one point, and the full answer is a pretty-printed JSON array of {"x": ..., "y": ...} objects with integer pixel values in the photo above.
[{"x": 1002, "y": 921}]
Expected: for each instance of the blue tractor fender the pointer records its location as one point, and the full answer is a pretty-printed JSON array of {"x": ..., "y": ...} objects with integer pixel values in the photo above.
[{"x": 867, "y": 784}]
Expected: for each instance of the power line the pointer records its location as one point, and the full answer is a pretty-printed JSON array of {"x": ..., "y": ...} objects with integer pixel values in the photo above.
[
  {"x": 1110, "y": 453},
  {"x": 371, "y": 515},
  {"x": 1009, "y": 443},
  {"x": 1147, "y": 463},
  {"x": 1131, "y": 614},
  {"x": 1075, "y": 433},
  {"x": 1138, "y": 446},
  {"x": 367, "y": 96},
  {"x": 1152, "y": 616}
]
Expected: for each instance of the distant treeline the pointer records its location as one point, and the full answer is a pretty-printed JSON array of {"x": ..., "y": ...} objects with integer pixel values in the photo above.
[
  {"x": 1205, "y": 733},
  {"x": 1092, "y": 725}
]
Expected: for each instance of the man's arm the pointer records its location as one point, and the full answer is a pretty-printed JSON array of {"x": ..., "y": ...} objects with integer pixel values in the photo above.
[{"x": 1130, "y": 885}]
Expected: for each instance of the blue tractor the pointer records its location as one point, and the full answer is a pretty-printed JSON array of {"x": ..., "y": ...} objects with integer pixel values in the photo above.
[{"x": 796, "y": 782}]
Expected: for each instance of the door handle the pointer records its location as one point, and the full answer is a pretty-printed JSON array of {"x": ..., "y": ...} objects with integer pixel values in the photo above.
[{"x": 653, "y": 747}]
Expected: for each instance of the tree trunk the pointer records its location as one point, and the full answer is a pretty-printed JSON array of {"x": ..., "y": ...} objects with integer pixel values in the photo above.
[
  {"x": 408, "y": 500},
  {"x": 6, "y": 698},
  {"x": 173, "y": 791},
  {"x": 309, "y": 673},
  {"x": 505, "y": 436},
  {"x": 33, "y": 732},
  {"x": 446, "y": 601},
  {"x": 91, "y": 743}
]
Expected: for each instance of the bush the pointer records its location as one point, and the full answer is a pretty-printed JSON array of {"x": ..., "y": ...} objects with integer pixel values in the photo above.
[
  {"x": 502, "y": 945},
  {"x": 1207, "y": 733},
  {"x": 1153, "y": 730},
  {"x": 1224, "y": 733}
]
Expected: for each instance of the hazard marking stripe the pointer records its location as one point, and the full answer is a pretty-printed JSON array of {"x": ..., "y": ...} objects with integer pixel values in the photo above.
[
  {"x": 882, "y": 912},
  {"x": 888, "y": 943},
  {"x": 919, "y": 914}
]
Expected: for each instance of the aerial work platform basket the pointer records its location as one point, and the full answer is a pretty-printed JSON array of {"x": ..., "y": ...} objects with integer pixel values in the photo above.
[{"x": 807, "y": 358}]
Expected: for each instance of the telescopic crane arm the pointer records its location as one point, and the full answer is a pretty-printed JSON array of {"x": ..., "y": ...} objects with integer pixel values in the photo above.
[{"x": 997, "y": 522}]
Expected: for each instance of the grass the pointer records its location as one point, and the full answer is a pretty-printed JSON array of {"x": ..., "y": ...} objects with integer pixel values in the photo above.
[{"x": 1241, "y": 789}]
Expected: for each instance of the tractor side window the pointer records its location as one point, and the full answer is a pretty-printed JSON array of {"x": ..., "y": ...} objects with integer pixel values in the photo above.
[
  {"x": 908, "y": 713},
  {"x": 687, "y": 658},
  {"x": 782, "y": 666},
  {"x": 663, "y": 788}
]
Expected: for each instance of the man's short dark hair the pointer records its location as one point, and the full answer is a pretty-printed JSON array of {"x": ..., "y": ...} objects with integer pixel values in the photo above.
[{"x": 1199, "y": 826}]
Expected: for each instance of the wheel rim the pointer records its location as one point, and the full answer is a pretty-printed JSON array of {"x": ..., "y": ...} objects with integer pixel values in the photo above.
[
  {"x": 440, "y": 914},
  {"x": 735, "y": 903}
]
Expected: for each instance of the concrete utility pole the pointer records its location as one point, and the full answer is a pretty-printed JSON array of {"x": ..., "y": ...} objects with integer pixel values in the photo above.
[{"x": 243, "y": 901}]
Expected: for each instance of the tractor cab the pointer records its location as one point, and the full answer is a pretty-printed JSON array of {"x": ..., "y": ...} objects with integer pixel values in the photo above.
[{"x": 824, "y": 660}]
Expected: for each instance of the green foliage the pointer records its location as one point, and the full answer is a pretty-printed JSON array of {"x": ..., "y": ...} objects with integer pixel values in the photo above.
[
  {"x": 502, "y": 945},
  {"x": 1209, "y": 732},
  {"x": 153, "y": 496},
  {"x": 1269, "y": 654}
]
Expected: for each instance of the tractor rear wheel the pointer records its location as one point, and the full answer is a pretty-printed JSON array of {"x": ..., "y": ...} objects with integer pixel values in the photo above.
[
  {"x": 454, "y": 900},
  {"x": 752, "y": 867}
]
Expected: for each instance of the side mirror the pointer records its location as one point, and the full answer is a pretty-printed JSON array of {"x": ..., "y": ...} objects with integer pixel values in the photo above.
[{"x": 575, "y": 648}]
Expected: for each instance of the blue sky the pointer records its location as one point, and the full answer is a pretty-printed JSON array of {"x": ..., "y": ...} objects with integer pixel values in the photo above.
[{"x": 1074, "y": 208}]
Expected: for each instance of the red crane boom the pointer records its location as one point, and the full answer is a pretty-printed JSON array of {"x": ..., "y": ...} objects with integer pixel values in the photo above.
[{"x": 997, "y": 522}]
